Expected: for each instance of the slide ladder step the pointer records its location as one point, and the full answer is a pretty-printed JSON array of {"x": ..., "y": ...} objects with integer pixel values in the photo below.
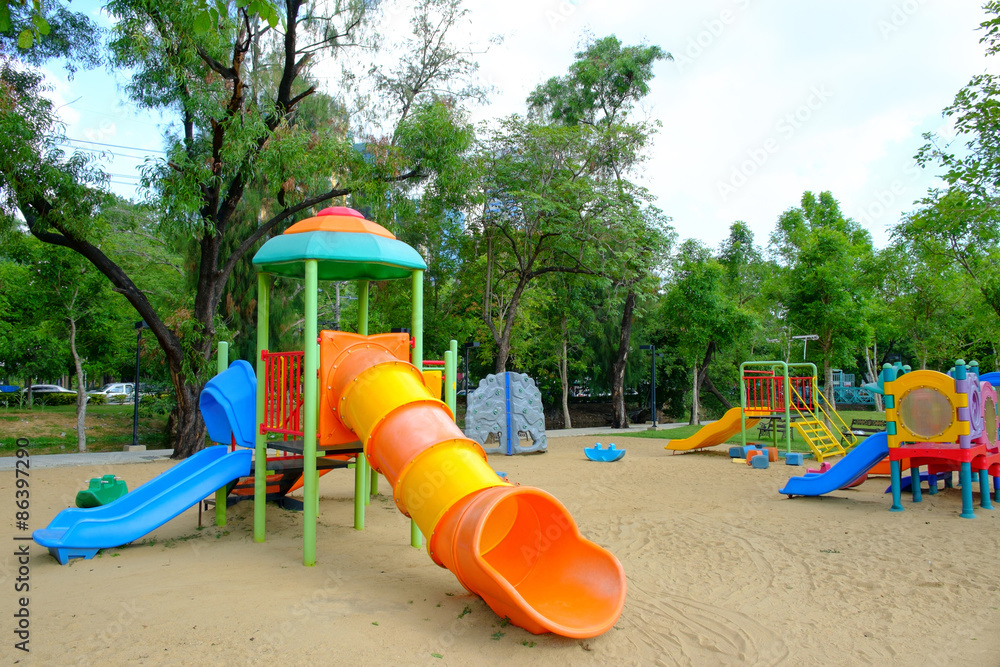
[{"x": 819, "y": 439}]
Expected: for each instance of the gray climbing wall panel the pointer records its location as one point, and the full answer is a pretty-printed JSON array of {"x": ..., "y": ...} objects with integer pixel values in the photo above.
[{"x": 508, "y": 405}]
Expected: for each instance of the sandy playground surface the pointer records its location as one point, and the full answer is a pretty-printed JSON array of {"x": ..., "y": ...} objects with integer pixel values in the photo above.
[{"x": 722, "y": 570}]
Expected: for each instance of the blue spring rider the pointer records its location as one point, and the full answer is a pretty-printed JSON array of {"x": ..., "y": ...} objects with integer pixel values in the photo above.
[{"x": 595, "y": 453}]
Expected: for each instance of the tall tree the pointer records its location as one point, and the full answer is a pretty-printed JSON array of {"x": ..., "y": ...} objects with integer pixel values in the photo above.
[
  {"x": 707, "y": 317},
  {"x": 234, "y": 131},
  {"x": 602, "y": 87},
  {"x": 824, "y": 286}
]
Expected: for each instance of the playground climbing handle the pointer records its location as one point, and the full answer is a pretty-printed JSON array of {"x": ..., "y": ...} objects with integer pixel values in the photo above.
[{"x": 516, "y": 547}]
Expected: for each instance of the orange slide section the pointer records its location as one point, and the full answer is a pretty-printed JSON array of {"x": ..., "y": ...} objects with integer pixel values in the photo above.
[
  {"x": 517, "y": 547},
  {"x": 712, "y": 434}
]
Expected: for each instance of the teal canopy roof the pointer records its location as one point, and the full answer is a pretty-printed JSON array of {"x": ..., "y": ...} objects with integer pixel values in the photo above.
[{"x": 341, "y": 256}]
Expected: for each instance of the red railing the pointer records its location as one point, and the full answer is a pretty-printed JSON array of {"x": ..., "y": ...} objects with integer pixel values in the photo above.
[
  {"x": 282, "y": 392},
  {"x": 765, "y": 391}
]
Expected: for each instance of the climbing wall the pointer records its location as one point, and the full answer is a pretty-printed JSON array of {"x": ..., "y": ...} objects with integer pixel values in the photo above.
[{"x": 507, "y": 405}]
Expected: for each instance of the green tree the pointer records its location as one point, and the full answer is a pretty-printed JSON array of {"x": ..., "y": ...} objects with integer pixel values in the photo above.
[
  {"x": 234, "y": 132},
  {"x": 600, "y": 90},
  {"x": 823, "y": 284},
  {"x": 958, "y": 225},
  {"x": 703, "y": 312}
]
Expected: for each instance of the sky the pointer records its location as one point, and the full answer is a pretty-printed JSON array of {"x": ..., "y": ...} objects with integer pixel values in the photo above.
[{"x": 763, "y": 100}]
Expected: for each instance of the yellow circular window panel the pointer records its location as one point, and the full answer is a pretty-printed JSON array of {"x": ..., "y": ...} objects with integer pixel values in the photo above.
[
  {"x": 926, "y": 412},
  {"x": 990, "y": 420}
]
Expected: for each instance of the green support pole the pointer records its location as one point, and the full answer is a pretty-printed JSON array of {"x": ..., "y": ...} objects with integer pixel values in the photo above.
[
  {"x": 361, "y": 465},
  {"x": 984, "y": 490},
  {"x": 310, "y": 391},
  {"x": 260, "y": 439},
  {"x": 965, "y": 478},
  {"x": 788, "y": 411},
  {"x": 915, "y": 489},
  {"x": 220, "y": 494},
  {"x": 417, "y": 331},
  {"x": 453, "y": 348},
  {"x": 895, "y": 473},
  {"x": 450, "y": 376},
  {"x": 743, "y": 407}
]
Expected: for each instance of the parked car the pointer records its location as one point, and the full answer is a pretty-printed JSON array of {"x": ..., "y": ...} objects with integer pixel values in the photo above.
[
  {"x": 48, "y": 389},
  {"x": 116, "y": 392}
]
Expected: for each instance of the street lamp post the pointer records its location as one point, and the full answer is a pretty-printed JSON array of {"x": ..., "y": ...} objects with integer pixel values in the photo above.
[
  {"x": 652, "y": 383},
  {"x": 139, "y": 326},
  {"x": 805, "y": 342},
  {"x": 465, "y": 376}
]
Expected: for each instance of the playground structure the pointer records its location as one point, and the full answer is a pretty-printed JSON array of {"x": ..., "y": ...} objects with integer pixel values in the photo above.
[
  {"x": 365, "y": 397},
  {"x": 947, "y": 422},
  {"x": 781, "y": 392}
]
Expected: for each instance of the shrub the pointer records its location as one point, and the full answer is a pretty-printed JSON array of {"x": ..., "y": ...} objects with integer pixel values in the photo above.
[
  {"x": 157, "y": 404},
  {"x": 20, "y": 400}
]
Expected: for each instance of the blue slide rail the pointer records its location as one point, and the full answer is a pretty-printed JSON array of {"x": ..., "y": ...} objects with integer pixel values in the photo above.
[
  {"x": 81, "y": 533},
  {"x": 858, "y": 461}
]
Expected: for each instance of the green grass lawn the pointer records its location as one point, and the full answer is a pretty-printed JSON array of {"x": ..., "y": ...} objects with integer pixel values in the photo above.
[
  {"x": 52, "y": 429},
  {"x": 798, "y": 444}
]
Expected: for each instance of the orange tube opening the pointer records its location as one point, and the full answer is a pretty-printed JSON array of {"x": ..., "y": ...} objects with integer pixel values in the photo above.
[{"x": 520, "y": 550}]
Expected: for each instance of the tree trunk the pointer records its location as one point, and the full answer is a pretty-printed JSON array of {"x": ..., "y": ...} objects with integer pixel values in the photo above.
[
  {"x": 706, "y": 382},
  {"x": 564, "y": 377},
  {"x": 187, "y": 429},
  {"x": 872, "y": 374},
  {"x": 619, "y": 417},
  {"x": 81, "y": 390},
  {"x": 695, "y": 407},
  {"x": 828, "y": 381}
]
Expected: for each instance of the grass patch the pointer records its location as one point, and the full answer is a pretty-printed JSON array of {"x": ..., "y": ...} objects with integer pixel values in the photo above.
[{"x": 52, "y": 429}]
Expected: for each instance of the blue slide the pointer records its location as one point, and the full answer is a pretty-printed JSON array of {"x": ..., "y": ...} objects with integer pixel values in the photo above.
[
  {"x": 81, "y": 533},
  {"x": 847, "y": 470},
  {"x": 229, "y": 403}
]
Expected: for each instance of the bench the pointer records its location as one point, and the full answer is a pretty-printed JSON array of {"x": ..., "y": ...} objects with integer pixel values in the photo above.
[
  {"x": 866, "y": 426},
  {"x": 767, "y": 426}
]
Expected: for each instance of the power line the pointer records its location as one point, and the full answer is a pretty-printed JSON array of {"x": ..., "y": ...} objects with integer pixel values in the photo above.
[
  {"x": 102, "y": 151},
  {"x": 130, "y": 148}
]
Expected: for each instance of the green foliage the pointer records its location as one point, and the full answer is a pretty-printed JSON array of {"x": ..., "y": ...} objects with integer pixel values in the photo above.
[
  {"x": 20, "y": 399},
  {"x": 823, "y": 285},
  {"x": 604, "y": 81},
  {"x": 160, "y": 404},
  {"x": 39, "y": 31}
]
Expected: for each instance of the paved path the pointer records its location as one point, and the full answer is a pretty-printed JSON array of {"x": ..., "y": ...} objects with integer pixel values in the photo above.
[
  {"x": 108, "y": 458},
  {"x": 88, "y": 459}
]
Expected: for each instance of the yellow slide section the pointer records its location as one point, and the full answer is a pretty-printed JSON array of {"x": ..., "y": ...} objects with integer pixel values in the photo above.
[
  {"x": 712, "y": 434},
  {"x": 517, "y": 547}
]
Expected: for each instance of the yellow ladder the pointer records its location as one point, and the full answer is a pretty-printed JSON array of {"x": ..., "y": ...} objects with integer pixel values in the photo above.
[
  {"x": 818, "y": 437},
  {"x": 813, "y": 428}
]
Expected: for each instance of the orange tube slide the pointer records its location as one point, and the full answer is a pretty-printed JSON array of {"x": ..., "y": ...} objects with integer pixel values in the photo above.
[{"x": 517, "y": 547}]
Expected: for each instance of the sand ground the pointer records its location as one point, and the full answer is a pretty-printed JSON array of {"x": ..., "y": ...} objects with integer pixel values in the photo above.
[{"x": 722, "y": 570}]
